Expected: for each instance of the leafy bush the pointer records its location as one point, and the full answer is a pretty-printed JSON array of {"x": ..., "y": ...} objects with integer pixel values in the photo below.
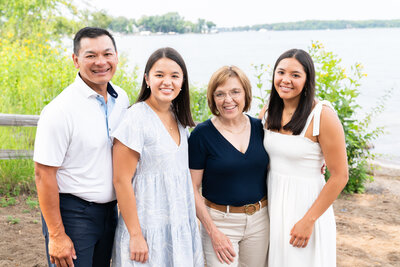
[
  {"x": 33, "y": 72},
  {"x": 342, "y": 88},
  {"x": 263, "y": 76},
  {"x": 127, "y": 79},
  {"x": 198, "y": 103}
]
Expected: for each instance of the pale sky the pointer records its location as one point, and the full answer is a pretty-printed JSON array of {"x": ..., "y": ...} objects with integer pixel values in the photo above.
[{"x": 250, "y": 12}]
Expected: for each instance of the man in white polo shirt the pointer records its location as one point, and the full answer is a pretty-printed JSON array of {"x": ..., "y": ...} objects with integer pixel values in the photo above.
[{"x": 73, "y": 164}]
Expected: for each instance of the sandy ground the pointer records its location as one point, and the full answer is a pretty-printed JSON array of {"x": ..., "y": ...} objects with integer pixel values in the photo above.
[{"x": 368, "y": 229}]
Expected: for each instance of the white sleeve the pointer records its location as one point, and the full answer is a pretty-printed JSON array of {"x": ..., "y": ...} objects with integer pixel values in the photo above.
[
  {"x": 53, "y": 136},
  {"x": 130, "y": 130},
  {"x": 317, "y": 115}
]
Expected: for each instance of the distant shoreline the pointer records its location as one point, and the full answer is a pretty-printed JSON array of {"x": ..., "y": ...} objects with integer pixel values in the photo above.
[
  {"x": 307, "y": 25},
  {"x": 165, "y": 34},
  {"x": 319, "y": 25}
]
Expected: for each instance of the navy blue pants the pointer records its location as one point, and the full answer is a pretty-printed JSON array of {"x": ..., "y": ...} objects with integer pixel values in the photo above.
[{"x": 91, "y": 227}]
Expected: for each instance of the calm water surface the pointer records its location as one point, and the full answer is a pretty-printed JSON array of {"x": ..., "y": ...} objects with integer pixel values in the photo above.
[{"x": 377, "y": 49}]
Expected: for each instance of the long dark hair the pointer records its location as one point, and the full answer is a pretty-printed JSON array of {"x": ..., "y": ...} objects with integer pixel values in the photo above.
[
  {"x": 275, "y": 106},
  {"x": 181, "y": 104}
]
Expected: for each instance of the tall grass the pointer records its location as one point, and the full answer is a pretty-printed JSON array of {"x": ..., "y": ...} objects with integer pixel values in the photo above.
[{"x": 33, "y": 73}]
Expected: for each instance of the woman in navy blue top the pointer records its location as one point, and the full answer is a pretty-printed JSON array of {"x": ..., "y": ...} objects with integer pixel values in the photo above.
[{"x": 228, "y": 161}]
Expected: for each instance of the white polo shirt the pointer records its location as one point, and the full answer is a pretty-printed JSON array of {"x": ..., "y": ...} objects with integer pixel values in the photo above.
[{"x": 73, "y": 134}]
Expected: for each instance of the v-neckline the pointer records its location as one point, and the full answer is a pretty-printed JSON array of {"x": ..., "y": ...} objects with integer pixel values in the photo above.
[
  {"x": 230, "y": 144},
  {"x": 165, "y": 129}
]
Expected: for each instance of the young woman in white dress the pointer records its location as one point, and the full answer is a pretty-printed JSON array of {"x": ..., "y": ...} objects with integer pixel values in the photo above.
[
  {"x": 158, "y": 225},
  {"x": 300, "y": 133}
]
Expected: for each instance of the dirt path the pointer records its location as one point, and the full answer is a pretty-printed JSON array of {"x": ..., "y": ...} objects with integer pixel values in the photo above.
[
  {"x": 368, "y": 229},
  {"x": 368, "y": 226}
]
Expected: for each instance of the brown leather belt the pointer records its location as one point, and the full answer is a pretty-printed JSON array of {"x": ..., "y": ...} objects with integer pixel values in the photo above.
[{"x": 249, "y": 209}]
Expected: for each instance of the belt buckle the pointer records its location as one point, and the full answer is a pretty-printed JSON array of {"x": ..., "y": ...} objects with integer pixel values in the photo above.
[{"x": 250, "y": 209}]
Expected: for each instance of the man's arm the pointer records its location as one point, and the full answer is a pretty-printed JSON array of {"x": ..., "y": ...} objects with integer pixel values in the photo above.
[{"x": 61, "y": 248}]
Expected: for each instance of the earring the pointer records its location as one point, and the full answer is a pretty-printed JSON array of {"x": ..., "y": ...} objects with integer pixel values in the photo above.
[{"x": 148, "y": 87}]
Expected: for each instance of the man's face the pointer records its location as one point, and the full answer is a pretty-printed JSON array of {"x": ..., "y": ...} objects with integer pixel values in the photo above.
[{"x": 97, "y": 61}]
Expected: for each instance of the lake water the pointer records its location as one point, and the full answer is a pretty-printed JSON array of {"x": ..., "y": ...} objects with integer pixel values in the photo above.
[{"x": 376, "y": 49}]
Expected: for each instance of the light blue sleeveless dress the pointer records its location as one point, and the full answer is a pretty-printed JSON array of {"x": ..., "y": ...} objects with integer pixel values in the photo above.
[{"x": 164, "y": 194}]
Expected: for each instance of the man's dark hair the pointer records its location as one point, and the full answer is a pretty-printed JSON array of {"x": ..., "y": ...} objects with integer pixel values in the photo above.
[{"x": 90, "y": 32}]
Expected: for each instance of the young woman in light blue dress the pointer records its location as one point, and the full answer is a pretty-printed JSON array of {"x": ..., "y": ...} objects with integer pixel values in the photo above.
[{"x": 157, "y": 224}]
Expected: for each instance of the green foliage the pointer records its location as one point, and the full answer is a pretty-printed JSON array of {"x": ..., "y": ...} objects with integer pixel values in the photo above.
[
  {"x": 23, "y": 19},
  {"x": 319, "y": 25},
  {"x": 342, "y": 88},
  {"x": 7, "y": 201},
  {"x": 12, "y": 220},
  {"x": 16, "y": 175},
  {"x": 198, "y": 104},
  {"x": 127, "y": 79},
  {"x": 169, "y": 22},
  {"x": 263, "y": 75},
  {"x": 210, "y": 25},
  {"x": 122, "y": 25},
  {"x": 100, "y": 19},
  {"x": 34, "y": 71},
  {"x": 32, "y": 203}
]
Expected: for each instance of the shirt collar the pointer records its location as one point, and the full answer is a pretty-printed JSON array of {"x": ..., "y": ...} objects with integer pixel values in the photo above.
[{"x": 89, "y": 92}]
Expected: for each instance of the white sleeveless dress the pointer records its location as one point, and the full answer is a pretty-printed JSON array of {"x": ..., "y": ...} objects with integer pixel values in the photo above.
[{"x": 294, "y": 183}]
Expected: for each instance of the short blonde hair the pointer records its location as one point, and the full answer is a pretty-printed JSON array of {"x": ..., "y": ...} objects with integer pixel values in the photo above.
[{"x": 220, "y": 77}]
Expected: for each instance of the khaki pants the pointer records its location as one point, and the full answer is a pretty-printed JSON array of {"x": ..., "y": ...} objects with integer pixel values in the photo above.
[{"x": 249, "y": 235}]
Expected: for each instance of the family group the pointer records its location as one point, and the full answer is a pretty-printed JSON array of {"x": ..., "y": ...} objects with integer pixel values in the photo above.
[{"x": 128, "y": 184}]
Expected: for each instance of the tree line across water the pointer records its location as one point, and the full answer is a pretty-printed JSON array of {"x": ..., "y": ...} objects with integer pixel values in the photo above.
[
  {"x": 166, "y": 23},
  {"x": 319, "y": 25},
  {"x": 173, "y": 22}
]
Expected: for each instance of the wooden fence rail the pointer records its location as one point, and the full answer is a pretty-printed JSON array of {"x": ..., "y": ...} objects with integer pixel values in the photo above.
[{"x": 17, "y": 120}]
